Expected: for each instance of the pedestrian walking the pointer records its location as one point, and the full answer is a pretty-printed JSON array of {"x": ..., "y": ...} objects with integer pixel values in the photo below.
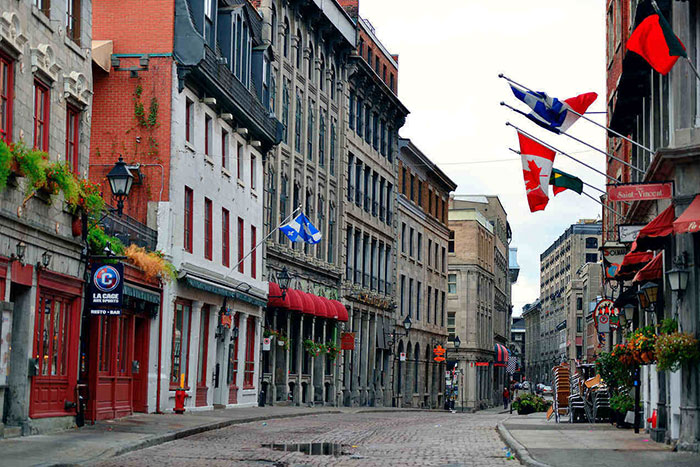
[{"x": 506, "y": 397}]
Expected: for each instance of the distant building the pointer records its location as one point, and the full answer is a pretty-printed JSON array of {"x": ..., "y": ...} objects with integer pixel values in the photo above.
[
  {"x": 518, "y": 337},
  {"x": 534, "y": 367}
]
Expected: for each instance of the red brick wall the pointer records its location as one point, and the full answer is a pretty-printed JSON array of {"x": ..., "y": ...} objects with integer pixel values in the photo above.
[
  {"x": 115, "y": 130},
  {"x": 367, "y": 41},
  {"x": 135, "y": 26},
  {"x": 351, "y": 7}
]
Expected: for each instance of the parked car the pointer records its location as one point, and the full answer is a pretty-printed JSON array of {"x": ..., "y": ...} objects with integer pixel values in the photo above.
[
  {"x": 525, "y": 385},
  {"x": 538, "y": 388},
  {"x": 547, "y": 390}
]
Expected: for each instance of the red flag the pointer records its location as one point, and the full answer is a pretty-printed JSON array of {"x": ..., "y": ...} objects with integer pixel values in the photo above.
[
  {"x": 537, "y": 168},
  {"x": 655, "y": 41}
]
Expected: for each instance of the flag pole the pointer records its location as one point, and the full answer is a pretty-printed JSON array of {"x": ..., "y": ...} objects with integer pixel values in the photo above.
[
  {"x": 587, "y": 184},
  {"x": 692, "y": 67},
  {"x": 501, "y": 75},
  {"x": 582, "y": 142},
  {"x": 272, "y": 231},
  {"x": 549, "y": 146}
]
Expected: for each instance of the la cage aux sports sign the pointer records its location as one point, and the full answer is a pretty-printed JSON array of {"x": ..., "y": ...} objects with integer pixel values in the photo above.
[{"x": 106, "y": 289}]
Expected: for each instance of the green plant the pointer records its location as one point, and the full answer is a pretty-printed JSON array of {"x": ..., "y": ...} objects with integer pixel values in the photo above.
[
  {"x": 529, "y": 403},
  {"x": 31, "y": 164},
  {"x": 284, "y": 339},
  {"x": 60, "y": 177},
  {"x": 312, "y": 347},
  {"x": 668, "y": 326},
  {"x": 616, "y": 374},
  {"x": 6, "y": 159},
  {"x": 99, "y": 240},
  {"x": 332, "y": 350},
  {"x": 622, "y": 402},
  {"x": 675, "y": 349}
]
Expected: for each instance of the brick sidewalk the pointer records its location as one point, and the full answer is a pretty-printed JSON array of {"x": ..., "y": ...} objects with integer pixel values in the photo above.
[
  {"x": 114, "y": 437},
  {"x": 541, "y": 443}
]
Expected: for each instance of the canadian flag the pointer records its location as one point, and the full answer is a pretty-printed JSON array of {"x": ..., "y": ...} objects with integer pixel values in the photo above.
[{"x": 537, "y": 168}]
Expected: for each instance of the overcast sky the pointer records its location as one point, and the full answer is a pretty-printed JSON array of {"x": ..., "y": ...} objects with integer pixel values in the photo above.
[{"x": 450, "y": 55}]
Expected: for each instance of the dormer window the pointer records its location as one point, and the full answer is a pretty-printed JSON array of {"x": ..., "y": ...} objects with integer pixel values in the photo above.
[
  {"x": 241, "y": 45},
  {"x": 209, "y": 22}
]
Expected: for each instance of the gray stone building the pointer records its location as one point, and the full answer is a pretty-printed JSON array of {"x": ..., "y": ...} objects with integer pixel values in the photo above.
[
  {"x": 518, "y": 337},
  {"x": 422, "y": 276},
  {"x": 534, "y": 369},
  {"x": 559, "y": 266},
  {"x": 45, "y": 94}
]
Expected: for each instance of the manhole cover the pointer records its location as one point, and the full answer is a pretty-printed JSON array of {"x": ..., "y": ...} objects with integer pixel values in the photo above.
[{"x": 312, "y": 449}]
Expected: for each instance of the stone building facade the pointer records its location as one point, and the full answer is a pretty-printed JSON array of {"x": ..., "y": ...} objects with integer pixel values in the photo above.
[
  {"x": 422, "y": 276},
  {"x": 46, "y": 97},
  {"x": 534, "y": 369}
]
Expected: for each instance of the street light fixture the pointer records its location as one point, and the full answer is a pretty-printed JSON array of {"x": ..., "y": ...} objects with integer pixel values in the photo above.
[
  {"x": 407, "y": 323},
  {"x": 457, "y": 342},
  {"x": 283, "y": 279},
  {"x": 120, "y": 181},
  {"x": 20, "y": 250},
  {"x": 678, "y": 276},
  {"x": 650, "y": 290}
]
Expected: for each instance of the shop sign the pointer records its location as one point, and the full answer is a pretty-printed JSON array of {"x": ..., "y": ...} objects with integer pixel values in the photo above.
[
  {"x": 606, "y": 316},
  {"x": 347, "y": 341},
  {"x": 640, "y": 191},
  {"x": 439, "y": 352},
  {"x": 402, "y": 357},
  {"x": 627, "y": 233},
  {"x": 106, "y": 289},
  {"x": 481, "y": 363},
  {"x": 266, "y": 343}
]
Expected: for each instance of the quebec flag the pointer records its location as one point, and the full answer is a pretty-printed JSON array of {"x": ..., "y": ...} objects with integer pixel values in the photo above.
[
  {"x": 301, "y": 229},
  {"x": 551, "y": 113}
]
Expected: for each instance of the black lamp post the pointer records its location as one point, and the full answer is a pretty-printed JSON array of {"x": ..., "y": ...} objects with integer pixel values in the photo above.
[{"x": 120, "y": 181}]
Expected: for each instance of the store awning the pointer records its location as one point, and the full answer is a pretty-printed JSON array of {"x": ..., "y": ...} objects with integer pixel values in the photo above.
[
  {"x": 275, "y": 297},
  {"x": 689, "y": 221},
  {"x": 295, "y": 300},
  {"x": 308, "y": 306},
  {"x": 102, "y": 54},
  {"x": 632, "y": 263},
  {"x": 141, "y": 294},
  {"x": 501, "y": 355},
  {"x": 652, "y": 271},
  {"x": 341, "y": 311},
  {"x": 654, "y": 234},
  {"x": 330, "y": 309},
  {"x": 221, "y": 289}
]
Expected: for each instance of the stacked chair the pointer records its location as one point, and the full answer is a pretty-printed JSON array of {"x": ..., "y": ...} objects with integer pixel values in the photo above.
[
  {"x": 577, "y": 406},
  {"x": 562, "y": 390}
]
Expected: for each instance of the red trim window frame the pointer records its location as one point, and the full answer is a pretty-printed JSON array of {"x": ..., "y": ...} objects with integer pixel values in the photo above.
[
  {"x": 241, "y": 242},
  {"x": 249, "y": 369},
  {"x": 179, "y": 352},
  {"x": 72, "y": 138},
  {"x": 207, "y": 135},
  {"x": 51, "y": 338},
  {"x": 224, "y": 148},
  {"x": 6, "y": 97},
  {"x": 253, "y": 254},
  {"x": 225, "y": 237},
  {"x": 189, "y": 214},
  {"x": 189, "y": 115},
  {"x": 42, "y": 105},
  {"x": 208, "y": 229}
]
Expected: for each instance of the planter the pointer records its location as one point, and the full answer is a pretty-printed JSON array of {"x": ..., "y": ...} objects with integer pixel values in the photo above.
[
  {"x": 280, "y": 343},
  {"x": 526, "y": 410},
  {"x": 76, "y": 226}
]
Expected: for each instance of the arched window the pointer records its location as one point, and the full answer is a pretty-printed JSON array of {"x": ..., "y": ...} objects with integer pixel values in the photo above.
[
  {"x": 322, "y": 77},
  {"x": 300, "y": 49},
  {"x": 285, "y": 39},
  {"x": 333, "y": 83},
  {"x": 416, "y": 365},
  {"x": 310, "y": 70}
]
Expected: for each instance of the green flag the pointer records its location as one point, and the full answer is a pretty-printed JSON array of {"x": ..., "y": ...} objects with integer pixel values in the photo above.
[{"x": 562, "y": 181}]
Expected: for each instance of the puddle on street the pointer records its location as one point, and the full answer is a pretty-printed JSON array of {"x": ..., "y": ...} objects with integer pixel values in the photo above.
[{"x": 312, "y": 449}]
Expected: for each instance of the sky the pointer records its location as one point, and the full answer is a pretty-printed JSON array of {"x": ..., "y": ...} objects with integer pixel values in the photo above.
[{"x": 450, "y": 55}]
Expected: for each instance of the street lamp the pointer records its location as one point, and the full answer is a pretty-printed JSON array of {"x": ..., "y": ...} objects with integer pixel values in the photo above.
[
  {"x": 626, "y": 315},
  {"x": 457, "y": 342},
  {"x": 643, "y": 300},
  {"x": 650, "y": 291},
  {"x": 678, "y": 276},
  {"x": 120, "y": 181},
  {"x": 407, "y": 323}
]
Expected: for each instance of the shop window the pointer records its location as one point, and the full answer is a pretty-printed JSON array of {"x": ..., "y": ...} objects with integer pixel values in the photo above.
[
  {"x": 41, "y": 116},
  {"x": 6, "y": 98},
  {"x": 51, "y": 335},
  {"x": 232, "y": 373},
  {"x": 249, "y": 370},
  {"x": 179, "y": 355}
]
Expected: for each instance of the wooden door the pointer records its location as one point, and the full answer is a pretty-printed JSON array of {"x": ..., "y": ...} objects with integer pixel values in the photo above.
[
  {"x": 140, "y": 364},
  {"x": 202, "y": 387}
]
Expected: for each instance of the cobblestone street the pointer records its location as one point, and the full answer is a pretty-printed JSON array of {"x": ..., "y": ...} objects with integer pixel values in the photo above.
[{"x": 379, "y": 438}]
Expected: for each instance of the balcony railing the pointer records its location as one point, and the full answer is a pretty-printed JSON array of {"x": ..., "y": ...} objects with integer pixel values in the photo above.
[{"x": 129, "y": 230}]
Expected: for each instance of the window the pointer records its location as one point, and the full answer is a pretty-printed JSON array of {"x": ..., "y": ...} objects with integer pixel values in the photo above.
[
  {"x": 442, "y": 310},
  {"x": 310, "y": 69},
  {"x": 207, "y": 135},
  {"x": 73, "y": 20},
  {"x": 253, "y": 171},
  {"x": 207, "y": 229},
  {"x": 310, "y": 132},
  {"x": 402, "y": 293},
  {"x": 403, "y": 237},
  {"x": 72, "y": 137},
  {"x": 6, "y": 98},
  {"x": 253, "y": 253},
  {"x": 232, "y": 374},
  {"x": 189, "y": 120},
  {"x": 419, "y": 286},
  {"x": 179, "y": 354},
  {"x": 579, "y": 303},
  {"x": 299, "y": 51},
  {"x": 249, "y": 368},
  {"x": 410, "y": 242},
  {"x": 391, "y": 82},
  {"x": 331, "y": 232},
  {"x": 297, "y": 123},
  {"x": 430, "y": 252},
  {"x": 241, "y": 234},
  {"x": 591, "y": 257},
  {"x": 285, "y": 39},
  {"x": 208, "y": 23},
  {"x": 444, "y": 260},
  {"x": 44, "y": 6},
  {"x": 331, "y": 165},
  {"x": 224, "y": 148},
  {"x": 189, "y": 214},
  {"x": 368, "y": 125},
  {"x": 51, "y": 339},
  {"x": 452, "y": 283},
  {"x": 382, "y": 148},
  {"x": 390, "y": 144},
  {"x": 351, "y": 106},
  {"x": 375, "y": 131},
  {"x": 41, "y": 116},
  {"x": 358, "y": 115},
  {"x": 427, "y": 308},
  {"x": 579, "y": 324},
  {"x": 451, "y": 242},
  {"x": 419, "y": 247},
  {"x": 591, "y": 242},
  {"x": 410, "y": 296},
  {"x": 285, "y": 112},
  {"x": 412, "y": 187},
  {"x": 436, "y": 306},
  {"x": 322, "y": 140},
  {"x": 273, "y": 26},
  {"x": 225, "y": 237},
  {"x": 203, "y": 346},
  {"x": 239, "y": 160}
]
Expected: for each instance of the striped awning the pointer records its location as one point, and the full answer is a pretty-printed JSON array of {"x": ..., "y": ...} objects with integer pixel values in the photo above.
[{"x": 502, "y": 354}]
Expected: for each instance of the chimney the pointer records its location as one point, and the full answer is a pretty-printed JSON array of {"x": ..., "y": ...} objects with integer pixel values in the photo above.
[{"x": 351, "y": 7}]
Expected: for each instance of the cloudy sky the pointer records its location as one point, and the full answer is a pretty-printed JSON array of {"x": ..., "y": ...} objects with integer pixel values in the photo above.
[{"x": 450, "y": 55}]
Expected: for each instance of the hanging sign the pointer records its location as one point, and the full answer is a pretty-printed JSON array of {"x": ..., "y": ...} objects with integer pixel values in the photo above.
[
  {"x": 106, "y": 289},
  {"x": 606, "y": 315},
  {"x": 481, "y": 363},
  {"x": 266, "y": 343},
  {"x": 402, "y": 357},
  {"x": 439, "y": 352},
  {"x": 640, "y": 191},
  {"x": 627, "y": 233},
  {"x": 347, "y": 341},
  {"x": 604, "y": 323}
]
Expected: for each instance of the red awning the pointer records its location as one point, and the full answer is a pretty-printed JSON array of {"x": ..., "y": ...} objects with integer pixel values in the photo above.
[
  {"x": 275, "y": 297},
  {"x": 294, "y": 299},
  {"x": 341, "y": 310},
  {"x": 632, "y": 263},
  {"x": 652, "y": 271},
  {"x": 652, "y": 235},
  {"x": 689, "y": 221},
  {"x": 321, "y": 308},
  {"x": 330, "y": 309},
  {"x": 307, "y": 303},
  {"x": 501, "y": 353}
]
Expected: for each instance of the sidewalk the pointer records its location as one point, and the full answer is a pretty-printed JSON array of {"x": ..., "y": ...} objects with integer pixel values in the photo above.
[
  {"x": 114, "y": 437},
  {"x": 541, "y": 443}
]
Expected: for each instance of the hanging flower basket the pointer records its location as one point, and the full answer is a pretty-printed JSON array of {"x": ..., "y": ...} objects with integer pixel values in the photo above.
[{"x": 675, "y": 349}]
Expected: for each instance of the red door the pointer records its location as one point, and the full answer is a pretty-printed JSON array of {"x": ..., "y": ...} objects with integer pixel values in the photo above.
[
  {"x": 140, "y": 366},
  {"x": 55, "y": 351}
]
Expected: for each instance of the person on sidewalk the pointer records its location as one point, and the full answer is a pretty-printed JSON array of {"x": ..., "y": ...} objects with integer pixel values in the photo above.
[{"x": 506, "y": 397}]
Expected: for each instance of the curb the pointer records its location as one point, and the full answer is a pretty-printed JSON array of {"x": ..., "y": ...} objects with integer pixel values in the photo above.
[
  {"x": 172, "y": 436},
  {"x": 521, "y": 451}
]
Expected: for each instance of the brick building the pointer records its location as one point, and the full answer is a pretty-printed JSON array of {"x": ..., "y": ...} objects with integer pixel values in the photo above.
[
  {"x": 45, "y": 103},
  {"x": 422, "y": 277}
]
